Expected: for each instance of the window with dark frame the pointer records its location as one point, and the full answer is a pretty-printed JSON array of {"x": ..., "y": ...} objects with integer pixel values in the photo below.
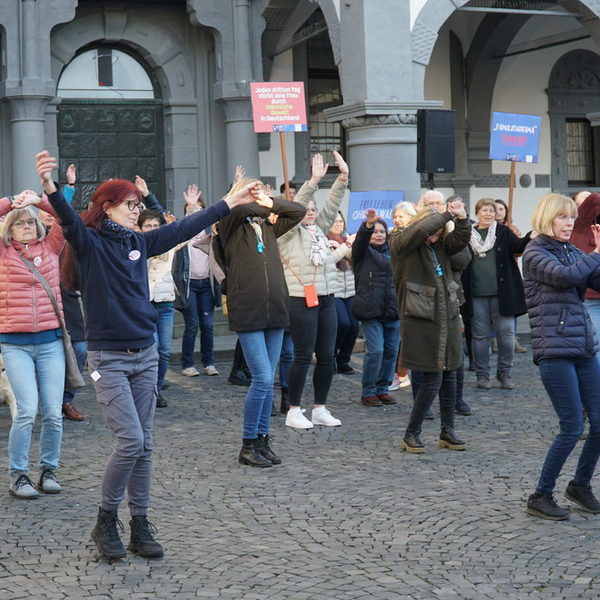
[{"x": 580, "y": 142}]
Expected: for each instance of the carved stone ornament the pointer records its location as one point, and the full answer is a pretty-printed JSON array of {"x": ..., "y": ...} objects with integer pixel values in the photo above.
[{"x": 377, "y": 120}]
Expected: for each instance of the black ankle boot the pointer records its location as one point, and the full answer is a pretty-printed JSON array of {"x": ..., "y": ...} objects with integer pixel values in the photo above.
[
  {"x": 249, "y": 455},
  {"x": 142, "y": 541},
  {"x": 412, "y": 443},
  {"x": 263, "y": 445},
  {"x": 106, "y": 536},
  {"x": 448, "y": 439},
  {"x": 285, "y": 405}
]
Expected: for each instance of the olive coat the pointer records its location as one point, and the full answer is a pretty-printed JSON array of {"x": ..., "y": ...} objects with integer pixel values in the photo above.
[{"x": 428, "y": 301}]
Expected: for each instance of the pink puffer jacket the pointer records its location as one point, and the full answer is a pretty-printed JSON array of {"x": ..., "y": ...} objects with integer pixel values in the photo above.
[{"x": 24, "y": 304}]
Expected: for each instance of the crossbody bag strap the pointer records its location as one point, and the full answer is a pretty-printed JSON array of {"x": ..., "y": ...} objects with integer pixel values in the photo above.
[
  {"x": 298, "y": 278},
  {"x": 46, "y": 287}
]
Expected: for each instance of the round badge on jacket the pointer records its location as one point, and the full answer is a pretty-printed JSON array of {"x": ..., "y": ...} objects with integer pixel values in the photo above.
[
  {"x": 134, "y": 255},
  {"x": 37, "y": 261}
]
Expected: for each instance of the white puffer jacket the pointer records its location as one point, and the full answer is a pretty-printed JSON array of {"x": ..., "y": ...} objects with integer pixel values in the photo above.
[
  {"x": 160, "y": 280},
  {"x": 346, "y": 284},
  {"x": 294, "y": 246}
]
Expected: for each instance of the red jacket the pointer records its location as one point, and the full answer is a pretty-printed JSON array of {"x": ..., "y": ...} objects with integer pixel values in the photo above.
[
  {"x": 582, "y": 237},
  {"x": 24, "y": 304}
]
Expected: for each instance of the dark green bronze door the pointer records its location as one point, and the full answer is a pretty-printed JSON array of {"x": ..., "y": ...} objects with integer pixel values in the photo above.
[{"x": 109, "y": 139}]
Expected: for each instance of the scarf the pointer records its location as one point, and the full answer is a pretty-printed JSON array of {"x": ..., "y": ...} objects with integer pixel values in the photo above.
[
  {"x": 479, "y": 246},
  {"x": 121, "y": 231},
  {"x": 344, "y": 263},
  {"x": 317, "y": 250}
]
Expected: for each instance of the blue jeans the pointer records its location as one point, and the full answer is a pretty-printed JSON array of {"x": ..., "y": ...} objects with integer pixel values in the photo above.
[
  {"x": 593, "y": 308},
  {"x": 37, "y": 376},
  {"x": 379, "y": 361},
  {"x": 486, "y": 315},
  {"x": 261, "y": 349},
  {"x": 572, "y": 384},
  {"x": 285, "y": 361},
  {"x": 163, "y": 336},
  {"x": 80, "y": 349},
  {"x": 198, "y": 313},
  {"x": 346, "y": 332}
]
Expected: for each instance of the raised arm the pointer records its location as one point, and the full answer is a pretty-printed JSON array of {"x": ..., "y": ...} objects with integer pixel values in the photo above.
[
  {"x": 328, "y": 213},
  {"x": 416, "y": 233},
  {"x": 73, "y": 228},
  {"x": 363, "y": 237}
]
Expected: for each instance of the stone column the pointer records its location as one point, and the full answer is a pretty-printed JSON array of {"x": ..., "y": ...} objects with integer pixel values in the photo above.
[
  {"x": 28, "y": 87},
  {"x": 236, "y": 43},
  {"x": 380, "y": 99}
]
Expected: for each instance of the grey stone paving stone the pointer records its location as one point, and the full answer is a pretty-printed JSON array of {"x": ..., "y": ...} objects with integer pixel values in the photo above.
[{"x": 347, "y": 514}]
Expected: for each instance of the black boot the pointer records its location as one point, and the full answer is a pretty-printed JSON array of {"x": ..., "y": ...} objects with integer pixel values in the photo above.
[
  {"x": 448, "y": 439},
  {"x": 142, "y": 541},
  {"x": 106, "y": 536},
  {"x": 285, "y": 405},
  {"x": 160, "y": 401},
  {"x": 412, "y": 443},
  {"x": 263, "y": 445},
  {"x": 249, "y": 455}
]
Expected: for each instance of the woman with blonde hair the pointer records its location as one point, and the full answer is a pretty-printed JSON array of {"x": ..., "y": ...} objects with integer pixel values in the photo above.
[
  {"x": 565, "y": 344},
  {"x": 31, "y": 338}
]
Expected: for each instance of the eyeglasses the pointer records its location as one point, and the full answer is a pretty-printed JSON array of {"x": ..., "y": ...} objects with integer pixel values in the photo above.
[
  {"x": 132, "y": 206},
  {"x": 30, "y": 222}
]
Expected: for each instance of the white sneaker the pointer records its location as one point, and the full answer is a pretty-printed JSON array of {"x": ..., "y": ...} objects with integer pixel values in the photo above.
[
  {"x": 405, "y": 381},
  {"x": 22, "y": 487},
  {"x": 296, "y": 419},
  {"x": 321, "y": 416},
  {"x": 210, "y": 370},
  {"x": 190, "y": 372},
  {"x": 395, "y": 384}
]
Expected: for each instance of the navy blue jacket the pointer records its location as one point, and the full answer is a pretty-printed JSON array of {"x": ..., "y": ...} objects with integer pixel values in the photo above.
[
  {"x": 556, "y": 275},
  {"x": 375, "y": 293},
  {"x": 113, "y": 274}
]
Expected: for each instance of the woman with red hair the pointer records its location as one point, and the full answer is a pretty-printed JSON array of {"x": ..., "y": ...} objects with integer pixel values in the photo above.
[{"x": 106, "y": 261}]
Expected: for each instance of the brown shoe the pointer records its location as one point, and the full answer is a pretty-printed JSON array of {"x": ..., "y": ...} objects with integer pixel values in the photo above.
[
  {"x": 371, "y": 401},
  {"x": 71, "y": 413},
  {"x": 386, "y": 399}
]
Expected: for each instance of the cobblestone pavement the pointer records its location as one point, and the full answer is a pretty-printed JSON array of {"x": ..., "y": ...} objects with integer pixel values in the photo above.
[{"x": 347, "y": 514}]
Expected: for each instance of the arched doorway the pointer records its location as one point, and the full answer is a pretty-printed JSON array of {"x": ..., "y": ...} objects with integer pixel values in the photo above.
[{"x": 110, "y": 121}]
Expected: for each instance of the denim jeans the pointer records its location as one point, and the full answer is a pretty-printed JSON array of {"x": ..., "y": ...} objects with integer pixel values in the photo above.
[
  {"x": 36, "y": 374},
  {"x": 313, "y": 330},
  {"x": 199, "y": 313},
  {"x": 163, "y": 336},
  {"x": 486, "y": 315},
  {"x": 80, "y": 349},
  {"x": 593, "y": 308},
  {"x": 126, "y": 393},
  {"x": 285, "y": 360},
  {"x": 572, "y": 384},
  {"x": 379, "y": 360},
  {"x": 261, "y": 349},
  {"x": 346, "y": 332},
  {"x": 432, "y": 383}
]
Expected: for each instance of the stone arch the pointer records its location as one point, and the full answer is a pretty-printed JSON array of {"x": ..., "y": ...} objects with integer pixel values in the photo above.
[
  {"x": 432, "y": 17},
  {"x": 332, "y": 16},
  {"x": 159, "y": 48}
]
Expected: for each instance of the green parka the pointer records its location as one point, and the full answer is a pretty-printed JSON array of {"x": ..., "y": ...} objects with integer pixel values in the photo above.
[{"x": 428, "y": 302}]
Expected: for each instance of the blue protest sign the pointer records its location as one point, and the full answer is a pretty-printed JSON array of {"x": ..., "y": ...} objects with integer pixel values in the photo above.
[
  {"x": 382, "y": 202},
  {"x": 515, "y": 137}
]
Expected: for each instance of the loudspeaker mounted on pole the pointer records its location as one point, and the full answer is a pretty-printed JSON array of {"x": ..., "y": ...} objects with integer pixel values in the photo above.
[{"x": 435, "y": 142}]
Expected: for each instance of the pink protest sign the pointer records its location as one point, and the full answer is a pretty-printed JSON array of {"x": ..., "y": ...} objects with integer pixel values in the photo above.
[{"x": 278, "y": 106}]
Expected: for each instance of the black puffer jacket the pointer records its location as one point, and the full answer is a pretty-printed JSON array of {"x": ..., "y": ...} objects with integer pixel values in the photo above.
[
  {"x": 375, "y": 295},
  {"x": 257, "y": 294},
  {"x": 556, "y": 275}
]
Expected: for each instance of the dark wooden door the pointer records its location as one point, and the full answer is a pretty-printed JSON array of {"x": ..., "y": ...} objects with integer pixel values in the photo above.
[{"x": 110, "y": 139}]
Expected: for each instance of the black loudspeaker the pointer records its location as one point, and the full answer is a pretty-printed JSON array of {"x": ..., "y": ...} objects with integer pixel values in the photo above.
[{"x": 435, "y": 141}]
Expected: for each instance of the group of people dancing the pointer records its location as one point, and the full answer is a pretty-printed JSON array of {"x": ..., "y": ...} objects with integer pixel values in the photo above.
[{"x": 289, "y": 270}]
